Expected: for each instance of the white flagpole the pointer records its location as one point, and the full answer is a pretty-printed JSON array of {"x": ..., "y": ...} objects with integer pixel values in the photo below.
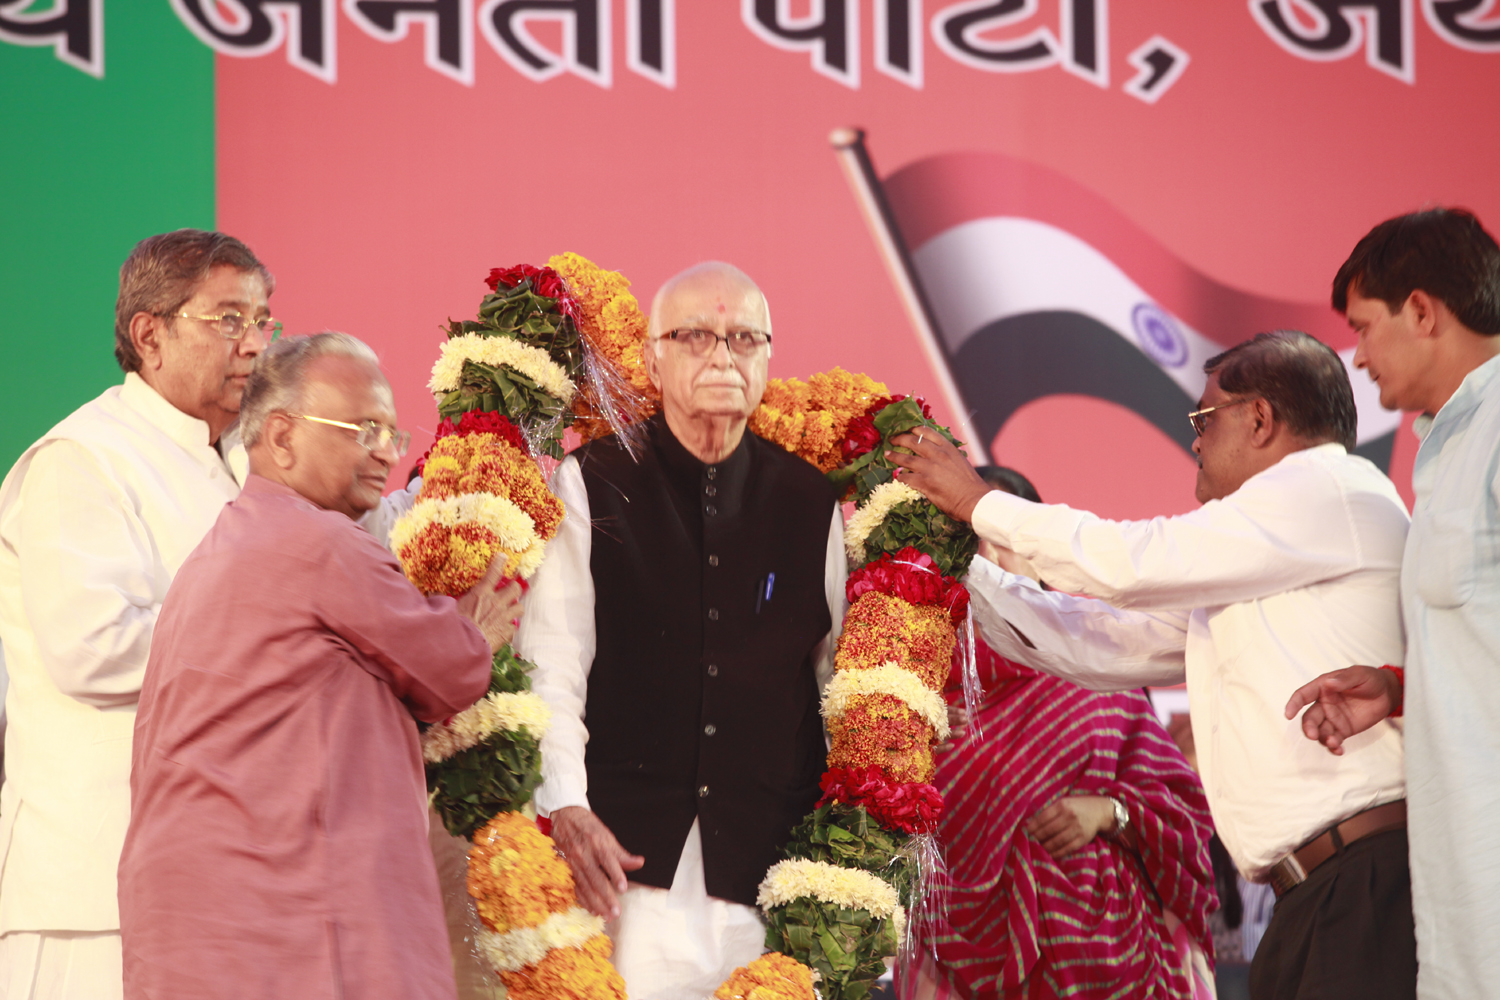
[{"x": 854, "y": 159}]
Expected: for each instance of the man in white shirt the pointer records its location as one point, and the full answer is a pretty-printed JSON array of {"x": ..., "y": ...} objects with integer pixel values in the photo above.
[
  {"x": 681, "y": 625},
  {"x": 95, "y": 519},
  {"x": 1423, "y": 293},
  {"x": 1290, "y": 565}
]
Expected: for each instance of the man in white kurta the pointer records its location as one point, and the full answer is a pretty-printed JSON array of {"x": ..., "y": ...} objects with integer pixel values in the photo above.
[
  {"x": 1423, "y": 292},
  {"x": 95, "y": 519}
]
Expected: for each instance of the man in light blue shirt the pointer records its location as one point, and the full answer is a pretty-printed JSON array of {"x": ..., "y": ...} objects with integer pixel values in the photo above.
[{"x": 1423, "y": 293}]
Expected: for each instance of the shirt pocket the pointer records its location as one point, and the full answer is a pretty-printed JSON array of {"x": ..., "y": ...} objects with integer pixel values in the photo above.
[{"x": 1446, "y": 556}]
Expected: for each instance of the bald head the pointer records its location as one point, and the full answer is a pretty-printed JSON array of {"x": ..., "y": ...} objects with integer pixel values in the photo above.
[
  {"x": 707, "y": 292},
  {"x": 712, "y": 380}
]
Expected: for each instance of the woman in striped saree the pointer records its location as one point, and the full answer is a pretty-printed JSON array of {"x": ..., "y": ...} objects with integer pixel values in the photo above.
[{"x": 1046, "y": 897}]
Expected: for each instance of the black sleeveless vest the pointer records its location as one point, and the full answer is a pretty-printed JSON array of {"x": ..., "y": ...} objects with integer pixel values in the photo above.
[{"x": 709, "y": 605}]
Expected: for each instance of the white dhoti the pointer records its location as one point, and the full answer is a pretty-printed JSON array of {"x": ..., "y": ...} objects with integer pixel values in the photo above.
[
  {"x": 61, "y": 965},
  {"x": 681, "y": 943}
]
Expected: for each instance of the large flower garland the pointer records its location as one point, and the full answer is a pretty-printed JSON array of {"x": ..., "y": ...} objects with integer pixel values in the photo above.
[
  {"x": 508, "y": 385},
  {"x": 837, "y": 902}
]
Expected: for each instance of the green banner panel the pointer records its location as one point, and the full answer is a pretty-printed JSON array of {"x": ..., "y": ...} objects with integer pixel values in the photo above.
[{"x": 91, "y": 166}]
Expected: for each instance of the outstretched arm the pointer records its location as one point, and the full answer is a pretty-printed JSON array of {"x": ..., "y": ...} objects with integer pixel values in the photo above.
[{"x": 1345, "y": 702}]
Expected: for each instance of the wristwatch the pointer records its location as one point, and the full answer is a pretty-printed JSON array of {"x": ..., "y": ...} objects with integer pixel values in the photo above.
[{"x": 1122, "y": 818}]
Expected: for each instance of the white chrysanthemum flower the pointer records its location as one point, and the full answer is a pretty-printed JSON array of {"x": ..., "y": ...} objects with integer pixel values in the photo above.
[
  {"x": 533, "y": 362},
  {"x": 892, "y": 679},
  {"x": 491, "y": 714},
  {"x": 516, "y": 949},
  {"x": 867, "y": 518},
  {"x": 847, "y": 887}
]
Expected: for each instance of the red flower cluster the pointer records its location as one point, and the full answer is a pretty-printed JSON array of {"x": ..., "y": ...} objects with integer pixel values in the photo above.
[
  {"x": 912, "y": 576},
  {"x": 861, "y": 437},
  {"x": 896, "y": 805},
  {"x": 483, "y": 422},
  {"x": 544, "y": 281}
]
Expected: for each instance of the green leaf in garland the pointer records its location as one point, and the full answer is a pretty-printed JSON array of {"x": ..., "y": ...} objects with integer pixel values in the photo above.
[{"x": 847, "y": 947}]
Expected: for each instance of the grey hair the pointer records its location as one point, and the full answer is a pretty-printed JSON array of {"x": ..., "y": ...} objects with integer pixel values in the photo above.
[
  {"x": 653, "y": 325},
  {"x": 276, "y": 382}
]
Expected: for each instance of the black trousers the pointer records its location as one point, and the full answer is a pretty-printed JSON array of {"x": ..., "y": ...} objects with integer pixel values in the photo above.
[{"x": 1345, "y": 932}]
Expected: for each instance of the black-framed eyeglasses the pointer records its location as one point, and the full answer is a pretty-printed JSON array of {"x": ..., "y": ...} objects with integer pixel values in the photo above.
[
  {"x": 704, "y": 342},
  {"x": 233, "y": 326},
  {"x": 371, "y": 435},
  {"x": 1199, "y": 418}
]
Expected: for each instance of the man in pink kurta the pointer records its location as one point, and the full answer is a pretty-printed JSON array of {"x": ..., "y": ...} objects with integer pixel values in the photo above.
[{"x": 278, "y": 838}]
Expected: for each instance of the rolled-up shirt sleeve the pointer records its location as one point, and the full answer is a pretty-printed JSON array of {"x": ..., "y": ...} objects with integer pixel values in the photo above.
[
  {"x": 88, "y": 583},
  {"x": 557, "y": 634},
  {"x": 1079, "y": 639}
]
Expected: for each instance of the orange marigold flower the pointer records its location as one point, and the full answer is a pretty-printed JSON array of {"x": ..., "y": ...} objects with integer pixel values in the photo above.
[
  {"x": 880, "y": 628},
  {"x": 614, "y": 328},
  {"x": 882, "y": 731},
  {"x": 809, "y": 418},
  {"x": 773, "y": 976},
  {"x": 516, "y": 876},
  {"x": 582, "y": 973},
  {"x": 444, "y": 560}
]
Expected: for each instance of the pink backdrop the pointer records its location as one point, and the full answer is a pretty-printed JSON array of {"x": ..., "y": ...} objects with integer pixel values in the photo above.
[{"x": 381, "y": 199}]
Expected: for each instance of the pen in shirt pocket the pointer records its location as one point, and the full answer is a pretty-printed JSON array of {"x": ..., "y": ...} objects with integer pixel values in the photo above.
[{"x": 763, "y": 590}]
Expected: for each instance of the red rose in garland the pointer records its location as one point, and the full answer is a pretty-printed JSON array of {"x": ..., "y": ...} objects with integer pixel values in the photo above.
[
  {"x": 910, "y": 807},
  {"x": 913, "y": 576}
]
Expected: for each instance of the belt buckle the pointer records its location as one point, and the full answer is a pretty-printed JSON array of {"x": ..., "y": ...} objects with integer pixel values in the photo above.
[{"x": 1286, "y": 874}]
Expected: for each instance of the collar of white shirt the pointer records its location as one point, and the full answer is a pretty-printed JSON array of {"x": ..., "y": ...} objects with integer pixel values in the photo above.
[
  {"x": 190, "y": 432},
  {"x": 1470, "y": 391}
]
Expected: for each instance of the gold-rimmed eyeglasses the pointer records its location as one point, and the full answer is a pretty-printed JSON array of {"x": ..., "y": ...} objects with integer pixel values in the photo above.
[
  {"x": 371, "y": 435},
  {"x": 233, "y": 326},
  {"x": 704, "y": 342},
  {"x": 1199, "y": 418}
]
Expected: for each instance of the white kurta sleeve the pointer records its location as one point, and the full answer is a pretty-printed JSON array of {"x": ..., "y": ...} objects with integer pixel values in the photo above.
[
  {"x": 88, "y": 585},
  {"x": 835, "y": 575},
  {"x": 557, "y": 634},
  {"x": 1079, "y": 639},
  {"x": 1284, "y": 529},
  {"x": 379, "y": 520}
]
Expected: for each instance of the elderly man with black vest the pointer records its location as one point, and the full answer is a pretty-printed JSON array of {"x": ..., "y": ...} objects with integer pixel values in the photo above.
[{"x": 681, "y": 625}]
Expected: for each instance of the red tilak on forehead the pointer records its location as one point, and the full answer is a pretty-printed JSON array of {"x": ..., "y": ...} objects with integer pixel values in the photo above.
[{"x": 721, "y": 307}]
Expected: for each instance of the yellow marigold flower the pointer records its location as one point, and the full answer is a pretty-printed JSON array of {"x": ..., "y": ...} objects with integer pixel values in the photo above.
[
  {"x": 882, "y": 731},
  {"x": 614, "y": 328},
  {"x": 446, "y": 544},
  {"x": 880, "y": 628},
  {"x": 516, "y": 876},
  {"x": 582, "y": 973},
  {"x": 773, "y": 976}
]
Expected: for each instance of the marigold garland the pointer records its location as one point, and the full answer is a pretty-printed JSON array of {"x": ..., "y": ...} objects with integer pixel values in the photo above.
[
  {"x": 523, "y": 946},
  {"x": 849, "y": 688},
  {"x": 581, "y": 973},
  {"x": 516, "y": 875},
  {"x": 772, "y": 976},
  {"x": 446, "y": 544},
  {"x": 879, "y": 628},
  {"x": 611, "y": 321},
  {"x": 808, "y": 419},
  {"x": 883, "y": 731}
]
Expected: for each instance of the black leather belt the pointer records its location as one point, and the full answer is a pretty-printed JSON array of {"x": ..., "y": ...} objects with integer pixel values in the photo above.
[{"x": 1294, "y": 869}]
